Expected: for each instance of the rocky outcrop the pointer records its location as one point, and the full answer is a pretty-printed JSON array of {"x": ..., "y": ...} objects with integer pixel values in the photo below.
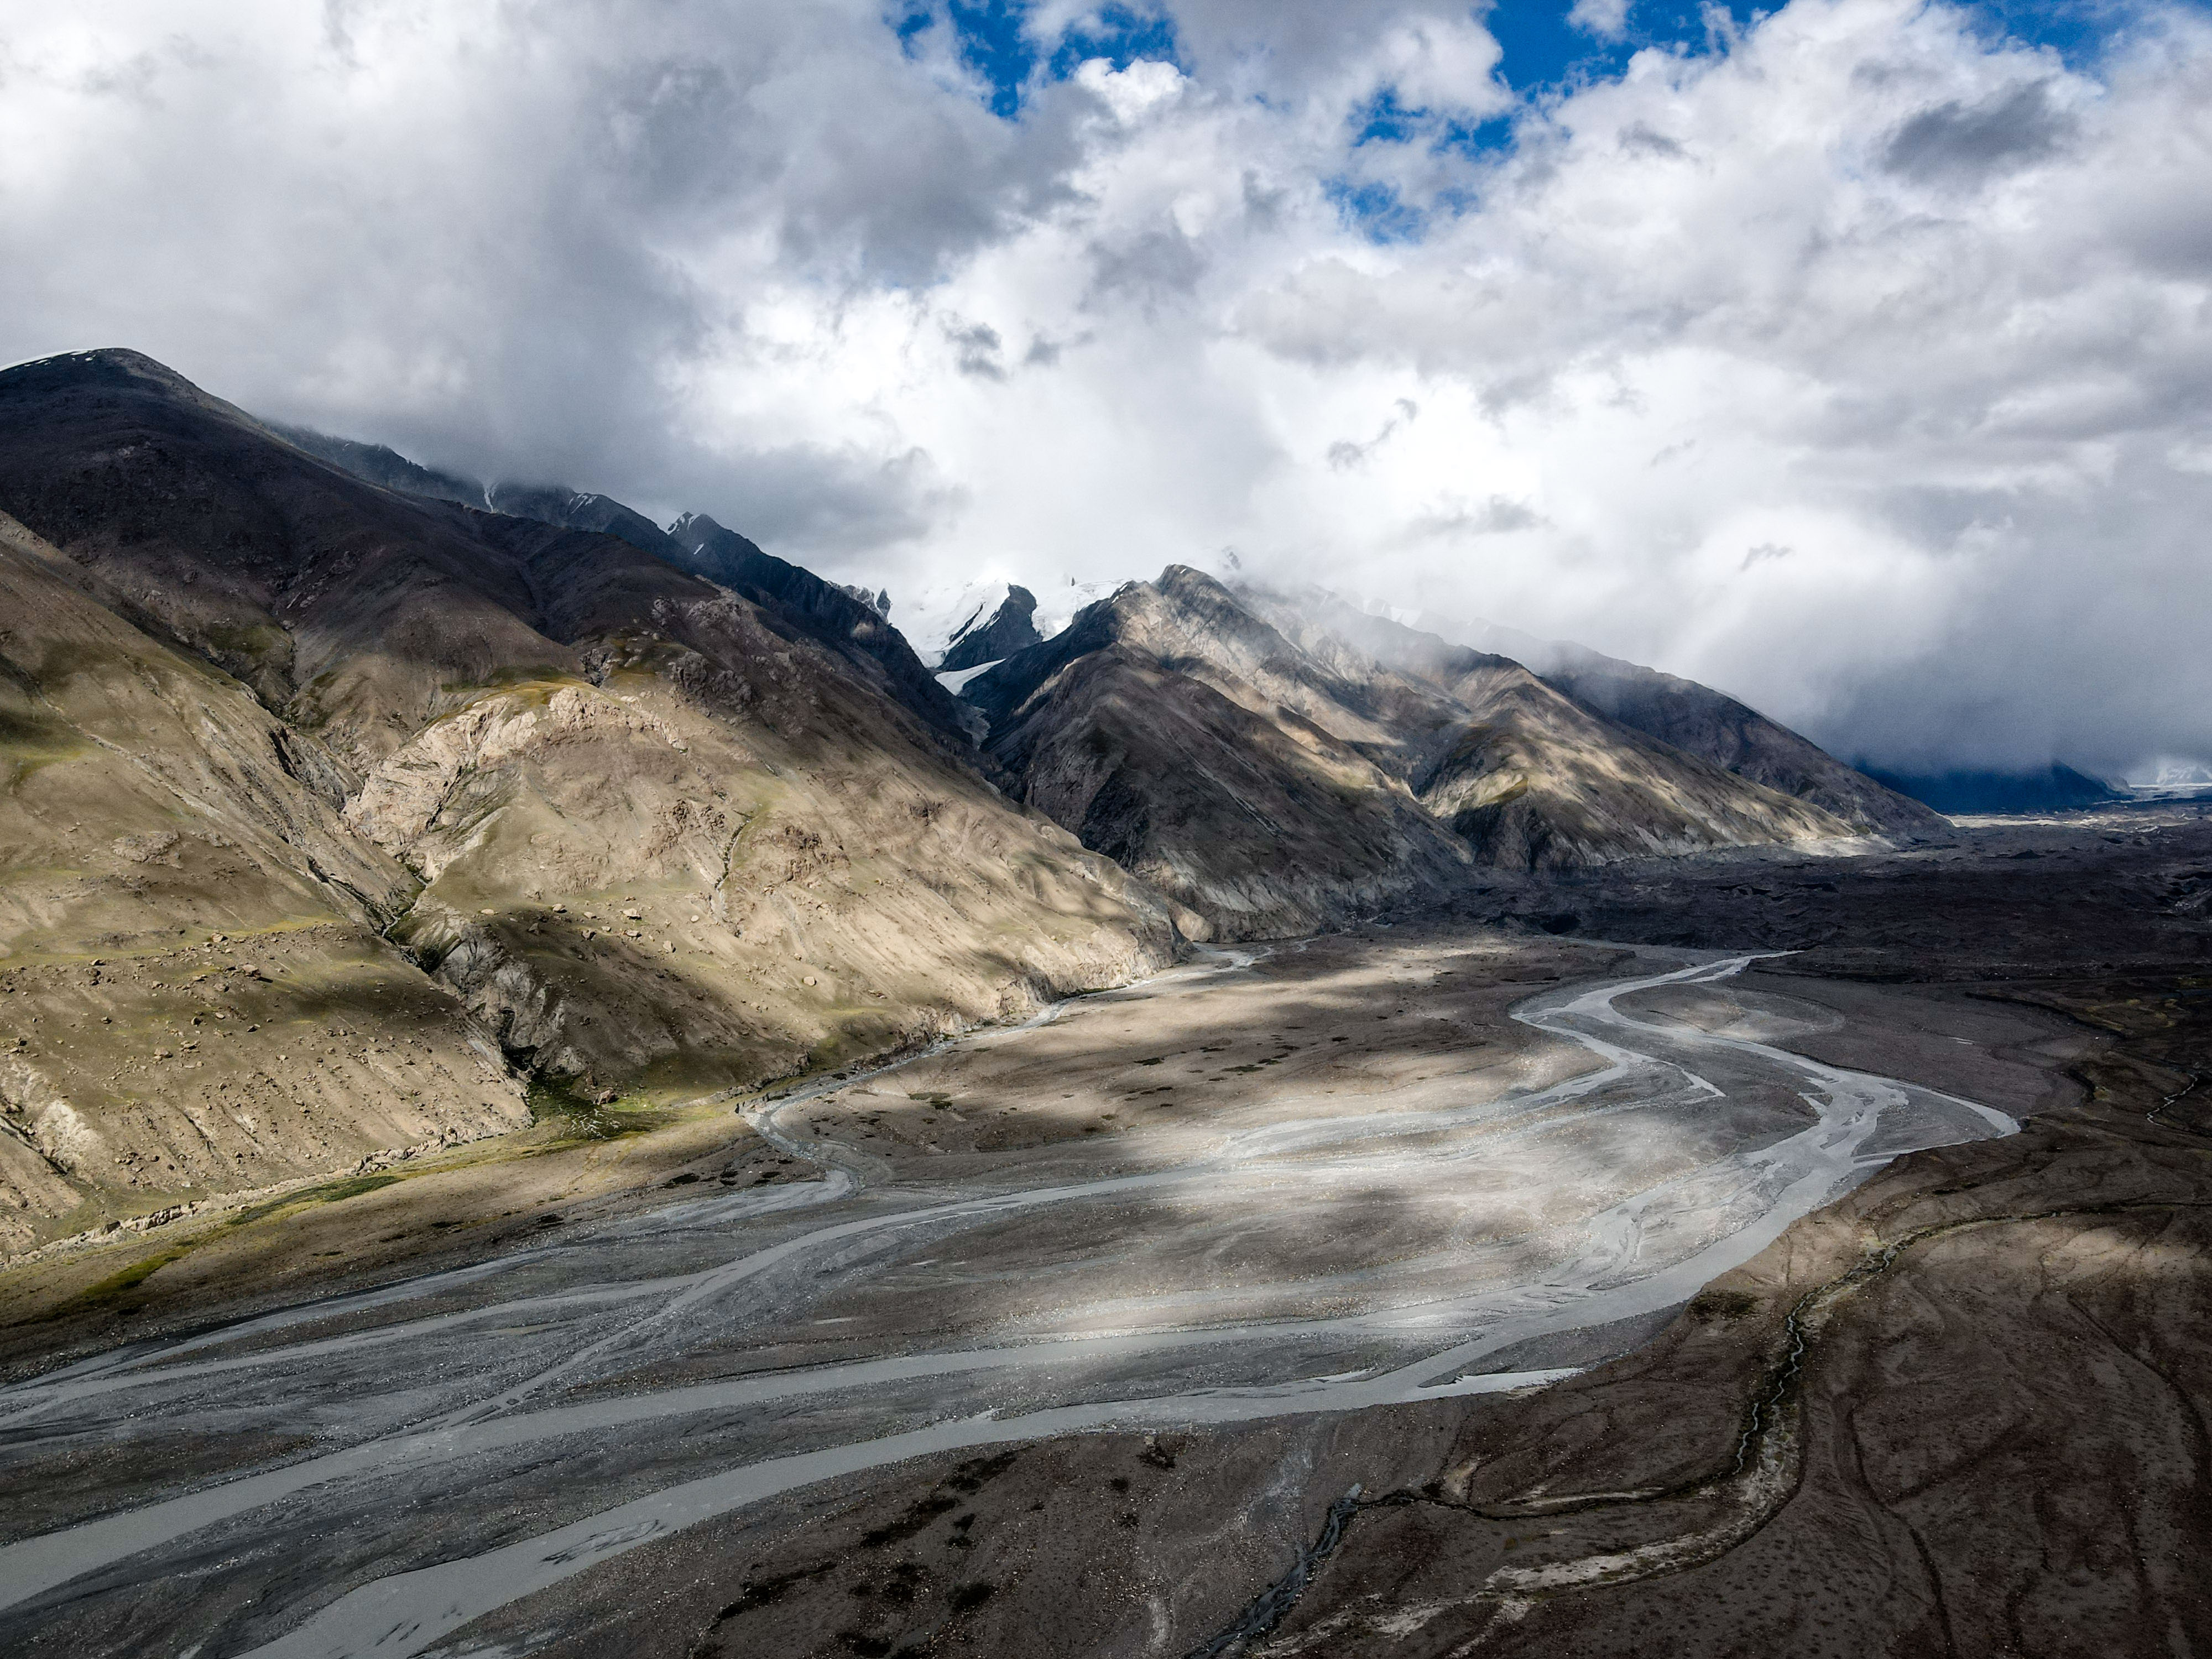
[{"x": 1010, "y": 628}]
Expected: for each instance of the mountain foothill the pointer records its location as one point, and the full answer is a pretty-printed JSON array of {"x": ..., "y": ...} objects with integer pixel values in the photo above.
[{"x": 349, "y": 808}]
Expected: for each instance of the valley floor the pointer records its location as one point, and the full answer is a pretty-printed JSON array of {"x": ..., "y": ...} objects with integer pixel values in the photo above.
[{"x": 1446, "y": 1287}]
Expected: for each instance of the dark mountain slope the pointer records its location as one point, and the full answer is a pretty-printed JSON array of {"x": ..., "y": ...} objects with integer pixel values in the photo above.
[
  {"x": 581, "y": 511},
  {"x": 379, "y": 463},
  {"x": 1397, "y": 721},
  {"x": 351, "y": 609},
  {"x": 1536, "y": 781},
  {"x": 849, "y": 623},
  {"x": 850, "y": 626},
  {"x": 1710, "y": 725},
  {"x": 664, "y": 837},
  {"x": 1267, "y": 828},
  {"x": 1319, "y": 797},
  {"x": 1129, "y": 728},
  {"x": 1190, "y": 622},
  {"x": 1714, "y": 726},
  {"x": 981, "y": 639}
]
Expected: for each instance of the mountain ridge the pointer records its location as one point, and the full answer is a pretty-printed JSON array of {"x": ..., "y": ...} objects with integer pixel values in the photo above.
[
  {"x": 979, "y": 641},
  {"x": 456, "y": 799},
  {"x": 627, "y": 830},
  {"x": 1194, "y": 732}
]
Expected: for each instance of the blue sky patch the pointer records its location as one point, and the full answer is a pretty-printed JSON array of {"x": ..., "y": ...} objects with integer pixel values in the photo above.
[
  {"x": 2077, "y": 30},
  {"x": 1543, "y": 53},
  {"x": 1386, "y": 121},
  {"x": 1543, "y": 50},
  {"x": 995, "y": 44},
  {"x": 1124, "y": 37},
  {"x": 908, "y": 24},
  {"x": 1375, "y": 210},
  {"x": 1490, "y": 136}
]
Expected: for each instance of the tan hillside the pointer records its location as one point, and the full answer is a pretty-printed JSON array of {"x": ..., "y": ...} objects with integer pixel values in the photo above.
[
  {"x": 1534, "y": 779},
  {"x": 624, "y": 828},
  {"x": 193, "y": 995}
]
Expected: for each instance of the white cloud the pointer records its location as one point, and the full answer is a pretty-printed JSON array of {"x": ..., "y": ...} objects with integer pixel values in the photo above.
[
  {"x": 1133, "y": 93},
  {"x": 1927, "y": 312},
  {"x": 1606, "y": 19}
]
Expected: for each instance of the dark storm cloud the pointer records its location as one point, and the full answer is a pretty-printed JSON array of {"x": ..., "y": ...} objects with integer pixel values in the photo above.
[
  {"x": 978, "y": 345},
  {"x": 1960, "y": 140},
  {"x": 1153, "y": 267}
]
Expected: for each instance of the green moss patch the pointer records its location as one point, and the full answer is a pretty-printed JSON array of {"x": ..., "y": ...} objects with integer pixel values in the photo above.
[
  {"x": 331, "y": 1191},
  {"x": 562, "y": 1103},
  {"x": 113, "y": 1291}
]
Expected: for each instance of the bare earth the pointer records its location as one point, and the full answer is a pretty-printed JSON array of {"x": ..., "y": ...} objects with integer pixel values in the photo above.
[{"x": 1441, "y": 1288}]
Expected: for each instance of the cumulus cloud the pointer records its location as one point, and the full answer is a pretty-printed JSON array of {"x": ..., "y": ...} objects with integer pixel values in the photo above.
[
  {"x": 1606, "y": 19},
  {"x": 1854, "y": 362}
]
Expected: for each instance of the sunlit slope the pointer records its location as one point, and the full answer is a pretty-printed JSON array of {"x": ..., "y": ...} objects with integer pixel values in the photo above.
[
  {"x": 664, "y": 837},
  {"x": 1535, "y": 778},
  {"x": 1695, "y": 719},
  {"x": 193, "y": 995},
  {"x": 1261, "y": 760},
  {"x": 1536, "y": 781}
]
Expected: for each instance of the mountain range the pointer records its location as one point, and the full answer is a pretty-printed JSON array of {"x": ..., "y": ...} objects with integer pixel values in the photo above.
[{"x": 350, "y": 806}]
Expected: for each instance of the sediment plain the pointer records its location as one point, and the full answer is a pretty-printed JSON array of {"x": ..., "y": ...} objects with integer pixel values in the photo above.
[{"x": 1447, "y": 1286}]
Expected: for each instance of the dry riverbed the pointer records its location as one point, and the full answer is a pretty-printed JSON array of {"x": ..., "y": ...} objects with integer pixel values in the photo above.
[
  {"x": 1272, "y": 1215},
  {"x": 1105, "y": 1085},
  {"x": 1229, "y": 1313}
]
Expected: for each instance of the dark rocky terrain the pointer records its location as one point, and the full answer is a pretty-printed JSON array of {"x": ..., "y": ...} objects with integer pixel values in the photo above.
[{"x": 981, "y": 640}]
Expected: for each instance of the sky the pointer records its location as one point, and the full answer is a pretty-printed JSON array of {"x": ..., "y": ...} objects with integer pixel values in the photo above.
[{"x": 1852, "y": 355}]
